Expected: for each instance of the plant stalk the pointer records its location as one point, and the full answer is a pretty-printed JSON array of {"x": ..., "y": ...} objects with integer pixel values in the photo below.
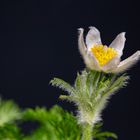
[{"x": 87, "y": 132}]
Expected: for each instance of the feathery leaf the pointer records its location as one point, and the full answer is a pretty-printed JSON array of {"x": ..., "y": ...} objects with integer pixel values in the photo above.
[{"x": 63, "y": 85}]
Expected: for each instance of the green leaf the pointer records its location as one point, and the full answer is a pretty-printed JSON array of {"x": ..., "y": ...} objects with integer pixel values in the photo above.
[
  {"x": 10, "y": 132},
  {"x": 55, "y": 124},
  {"x": 106, "y": 135},
  {"x": 9, "y": 112},
  {"x": 63, "y": 85}
]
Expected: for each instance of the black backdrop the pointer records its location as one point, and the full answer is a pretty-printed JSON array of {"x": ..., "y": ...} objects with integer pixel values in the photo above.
[{"x": 38, "y": 40}]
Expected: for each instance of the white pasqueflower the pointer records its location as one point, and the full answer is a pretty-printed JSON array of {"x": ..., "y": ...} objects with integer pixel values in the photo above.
[{"x": 102, "y": 58}]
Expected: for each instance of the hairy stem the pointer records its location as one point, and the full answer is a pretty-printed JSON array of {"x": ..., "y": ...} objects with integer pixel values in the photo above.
[{"x": 87, "y": 132}]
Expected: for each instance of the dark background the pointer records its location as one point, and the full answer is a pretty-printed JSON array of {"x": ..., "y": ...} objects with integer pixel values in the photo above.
[{"x": 38, "y": 41}]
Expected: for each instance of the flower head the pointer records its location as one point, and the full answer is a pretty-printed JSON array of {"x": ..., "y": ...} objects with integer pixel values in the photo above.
[{"x": 103, "y": 58}]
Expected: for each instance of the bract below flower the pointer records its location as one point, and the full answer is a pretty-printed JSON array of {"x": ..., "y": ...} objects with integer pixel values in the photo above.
[{"x": 103, "y": 58}]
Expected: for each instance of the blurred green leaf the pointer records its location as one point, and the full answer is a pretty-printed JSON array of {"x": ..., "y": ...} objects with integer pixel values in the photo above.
[
  {"x": 54, "y": 124},
  {"x": 9, "y": 112}
]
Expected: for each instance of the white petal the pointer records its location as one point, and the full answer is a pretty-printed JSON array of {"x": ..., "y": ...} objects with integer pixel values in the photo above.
[
  {"x": 118, "y": 43},
  {"x": 127, "y": 63},
  {"x": 93, "y": 37},
  {"x": 81, "y": 43},
  {"x": 112, "y": 64},
  {"x": 92, "y": 62},
  {"x": 89, "y": 59}
]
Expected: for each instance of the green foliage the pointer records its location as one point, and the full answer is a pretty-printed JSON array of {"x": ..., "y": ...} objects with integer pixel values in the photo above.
[
  {"x": 10, "y": 132},
  {"x": 54, "y": 124},
  {"x": 90, "y": 92},
  {"x": 9, "y": 112},
  {"x": 99, "y": 135}
]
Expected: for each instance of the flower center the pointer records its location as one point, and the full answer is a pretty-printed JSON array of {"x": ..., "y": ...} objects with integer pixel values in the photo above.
[{"x": 103, "y": 53}]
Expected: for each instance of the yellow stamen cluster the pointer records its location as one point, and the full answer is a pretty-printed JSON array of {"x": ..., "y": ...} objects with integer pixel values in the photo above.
[{"x": 103, "y": 53}]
